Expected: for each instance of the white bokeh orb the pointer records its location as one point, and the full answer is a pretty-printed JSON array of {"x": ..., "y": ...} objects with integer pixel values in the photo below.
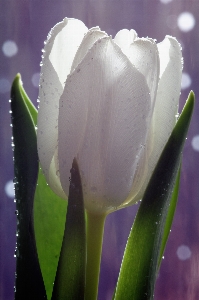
[
  {"x": 186, "y": 81},
  {"x": 9, "y": 189},
  {"x": 166, "y": 1},
  {"x": 195, "y": 142},
  {"x": 186, "y": 21},
  {"x": 35, "y": 79},
  {"x": 9, "y": 48},
  {"x": 183, "y": 252}
]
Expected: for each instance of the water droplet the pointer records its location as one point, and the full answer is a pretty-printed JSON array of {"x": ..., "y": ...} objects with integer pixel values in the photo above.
[{"x": 16, "y": 254}]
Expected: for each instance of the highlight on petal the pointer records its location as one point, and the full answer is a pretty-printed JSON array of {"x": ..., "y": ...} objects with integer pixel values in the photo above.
[
  {"x": 89, "y": 39},
  {"x": 104, "y": 125},
  {"x": 65, "y": 46},
  {"x": 61, "y": 46},
  {"x": 124, "y": 38},
  {"x": 166, "y": 108},
  {"x": 143, "y": 54}
]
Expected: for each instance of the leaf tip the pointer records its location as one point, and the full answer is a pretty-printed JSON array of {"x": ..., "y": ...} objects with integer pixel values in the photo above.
[
  {"x": 191, "y": 97},
  {"x": 75, "y": 180}
]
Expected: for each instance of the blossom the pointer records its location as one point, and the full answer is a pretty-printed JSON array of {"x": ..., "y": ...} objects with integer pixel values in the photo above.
[{"x": 112, "y": 104}]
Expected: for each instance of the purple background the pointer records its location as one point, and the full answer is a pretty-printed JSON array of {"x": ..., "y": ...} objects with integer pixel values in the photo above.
[{"x": 27, "y": 24}]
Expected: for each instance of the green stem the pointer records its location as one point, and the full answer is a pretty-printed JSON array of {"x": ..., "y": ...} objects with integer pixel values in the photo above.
[{"x": 95, "y": 231}]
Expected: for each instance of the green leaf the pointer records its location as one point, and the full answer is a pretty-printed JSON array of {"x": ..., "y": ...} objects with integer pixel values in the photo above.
[
  {"x": 170, "y": 215},
  {"x": 70, "y": 277},
  {"x": 30, "y": 106},
  {"x": 29, "y": 283},
  {"x": 140, "y": 262},
  {"x": 49, "y": 222}
]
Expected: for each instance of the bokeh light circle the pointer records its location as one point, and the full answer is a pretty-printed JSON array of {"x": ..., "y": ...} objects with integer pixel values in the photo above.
[
  {"x": 195, "y": 142},
  {"x": 186, "y": 81},
  {"x": 9, "y": 48},
  {"x": 186, "y": 21},
  {"x": 9, "y": 189},
  {"x": 166, "y": 1},
  {"x": 35, "y": 79},
  {"x": 183, "y": 252}
]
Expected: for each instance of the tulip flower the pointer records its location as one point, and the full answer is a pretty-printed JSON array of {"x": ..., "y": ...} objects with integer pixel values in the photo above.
[{"x": 112, "y": 104}]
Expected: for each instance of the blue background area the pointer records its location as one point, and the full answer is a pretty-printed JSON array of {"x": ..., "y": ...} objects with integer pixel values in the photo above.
[{"x": 27, "y": 23}]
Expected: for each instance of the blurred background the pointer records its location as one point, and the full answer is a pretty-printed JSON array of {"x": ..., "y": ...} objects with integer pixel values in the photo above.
[{"x": 24, "y": 26}]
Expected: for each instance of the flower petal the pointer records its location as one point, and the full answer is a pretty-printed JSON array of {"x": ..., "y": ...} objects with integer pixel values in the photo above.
[
  {"x": 124, "y": 38},
  {"x": 143, "y": 54},
  {"x": 103, "y": 120},
  {"x": 166, "y": 106},
  {"x": 65, "y": 46},
  {"x": 59, "y": 51},
  {"x": 89, "y": 39}
]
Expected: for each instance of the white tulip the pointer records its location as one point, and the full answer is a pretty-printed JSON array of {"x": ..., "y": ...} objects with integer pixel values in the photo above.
[{"x": 112, "y": 104}]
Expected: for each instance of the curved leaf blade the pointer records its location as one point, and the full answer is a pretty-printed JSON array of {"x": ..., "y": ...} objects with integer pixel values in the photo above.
[
  {"x": 170, "y": 216},
  {"x": 29, "y": 282},
  {"x": 70, "y": 277},
  {"x": 140, "y": 262},
  {"x": 30, "y": 106},
  {"x": 49, "y": 222}
]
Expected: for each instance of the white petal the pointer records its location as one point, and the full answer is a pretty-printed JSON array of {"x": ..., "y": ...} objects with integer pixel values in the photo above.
[
  {"x": 65, "y": 46},
  {"x": 166, "y": 106},
  {"x": 89, "y": 39},
  {"x": 143, "y": 53},
  {"x": 54, "y": 177},
  {"x": 103, "y": 122},
  {"x": 59, "y": 52},
  {"x": 124, "y": 38}
]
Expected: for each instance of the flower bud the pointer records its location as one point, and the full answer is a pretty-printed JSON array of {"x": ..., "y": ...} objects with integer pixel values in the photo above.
[{"x": 112, "y": 104}]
